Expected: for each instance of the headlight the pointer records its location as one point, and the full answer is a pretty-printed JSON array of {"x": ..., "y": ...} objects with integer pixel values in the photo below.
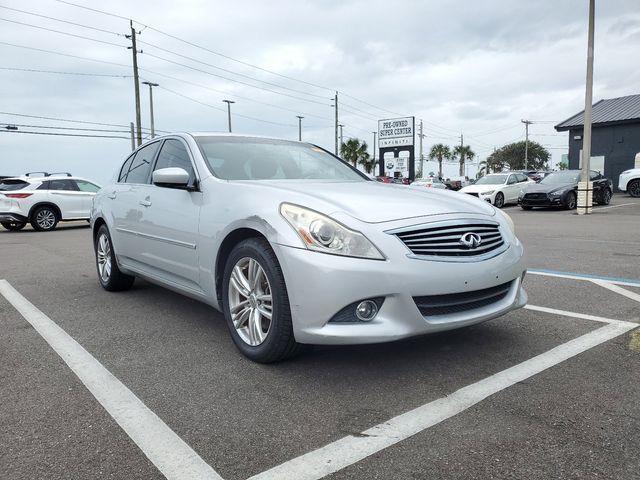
[
  {"x": 512, "y": 225},
  {"x": 489, "y": 192},
  {"x": 323, "y": 234}
]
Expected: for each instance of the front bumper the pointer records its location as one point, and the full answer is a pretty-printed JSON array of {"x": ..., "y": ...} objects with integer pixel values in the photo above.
[
  {"x": 541, "y": 202},
  {"x": 623, "y": 181},
  {"x": 13, "y": 217},
  {"x": 320, "y": 285}
]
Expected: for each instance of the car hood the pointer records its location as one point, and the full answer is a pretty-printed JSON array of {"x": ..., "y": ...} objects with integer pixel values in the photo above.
[
  {"x": 479, "y": 188},
  {"x": 542, "y": 188},
  {"x": 373, "y": 202}
]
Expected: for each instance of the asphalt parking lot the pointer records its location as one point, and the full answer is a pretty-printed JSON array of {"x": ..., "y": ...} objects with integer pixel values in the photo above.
[{"x": 550, "y": 391}]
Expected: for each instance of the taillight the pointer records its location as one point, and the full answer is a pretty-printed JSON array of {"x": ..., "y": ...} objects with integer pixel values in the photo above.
[{"x": 18, "y": 195}]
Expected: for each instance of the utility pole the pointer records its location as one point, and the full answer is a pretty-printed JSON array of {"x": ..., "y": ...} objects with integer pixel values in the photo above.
[
  {"x": 151, "y": 85},
  {"x": 133, "y": 138},
  {"x": 374, "y": 145},
  {"x": 229, "y": 102},
  {"x": 335, "y": 104},
  {"x": 341, "y": 142},
  {"x": 585, "y": 186},
  {"x": 299, "y": 127},
  {"x": 136, "y": 81},
  {"x": 526, "y": 142}
]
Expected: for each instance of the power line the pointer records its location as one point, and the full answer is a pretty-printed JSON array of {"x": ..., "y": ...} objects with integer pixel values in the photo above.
[
  {"x": 63, "y": 33},
  {"x": 233, "y": 80},
  {"x": 63, "y": 21},
  {"x": 65, "y": 73},
  {"x": 224, "y": 110},
  {"x": 65, "y": 54},
  {"x": 62, "y": 134},
  {"x": 85, "y": 122},
  {"x": 68, "y": 128},
  {"x": 229, "y": 71}
]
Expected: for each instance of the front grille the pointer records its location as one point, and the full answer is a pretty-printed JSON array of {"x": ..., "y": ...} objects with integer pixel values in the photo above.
[
  {"x": 443, "y": 239},
  {"x": 472, "y": 193},
  {"x": 535, "y": 196},
  {"x": 460, "y": 302}
]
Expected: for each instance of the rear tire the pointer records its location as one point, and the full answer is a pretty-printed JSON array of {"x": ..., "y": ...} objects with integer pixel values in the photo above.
[
  {"x": 633, "y": 188},
  {"x": 499, "y": 200},
  {"x": 14, "y": 226},
  {"x": 570, "y": 202},
  {"x": 44, "y": 219},
  {"x": 109, "y": 275},
  {"x": 252, "y": 275}
]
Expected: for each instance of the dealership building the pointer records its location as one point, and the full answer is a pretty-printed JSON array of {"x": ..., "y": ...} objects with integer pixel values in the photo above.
[{"x": 615, "y": 137}]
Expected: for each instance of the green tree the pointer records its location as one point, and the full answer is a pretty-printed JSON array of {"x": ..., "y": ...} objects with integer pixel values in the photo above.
[
  {"x": 440, "y": 152},
  {"x": 369, "y": 164},
  {"x": 462, "y": 153},
  {"x": 354, "y": 152},
  {"x": 562, "y": 166},
  {"x": 512, "y": 156}
]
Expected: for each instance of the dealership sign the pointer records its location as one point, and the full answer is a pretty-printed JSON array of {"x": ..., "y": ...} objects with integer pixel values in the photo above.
[{"x": 396, "y": 132}]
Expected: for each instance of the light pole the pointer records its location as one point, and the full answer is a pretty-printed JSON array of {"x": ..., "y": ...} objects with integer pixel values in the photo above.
[
  {"x": 299, "y": 127},
  {"x": 341, "y": 142},
  {"x": 374, "y": 145},
  {"x": 229, "y": 102},
  {"x": 585, "y": 186},
  {"x": 151, "y": 85}
]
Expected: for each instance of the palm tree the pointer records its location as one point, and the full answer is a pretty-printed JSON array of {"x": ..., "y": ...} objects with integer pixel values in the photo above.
[
  {"x": 440, "y": 152},
  {"x": 354, "y": 152},
  {"x": 369, "y": 164},
  {"x": 463, "y": 153}
]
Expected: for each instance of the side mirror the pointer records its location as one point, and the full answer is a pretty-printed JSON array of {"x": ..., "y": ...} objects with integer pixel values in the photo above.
[{"x": 172, "y": 177}]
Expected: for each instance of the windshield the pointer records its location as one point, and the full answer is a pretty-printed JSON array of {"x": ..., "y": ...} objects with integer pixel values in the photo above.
[
  {"x": 558, "y": 178},
  {"x": 491, "y": 180},
  {"x": 243, "y": 158}
]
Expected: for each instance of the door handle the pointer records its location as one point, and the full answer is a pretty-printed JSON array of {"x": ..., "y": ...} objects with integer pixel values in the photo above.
[
  {"x": 145, "y": 203},
  {"x": 111, "y": 195}
]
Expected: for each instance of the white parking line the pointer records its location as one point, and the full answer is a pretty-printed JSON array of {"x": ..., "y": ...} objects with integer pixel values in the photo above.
[
  {"x": 584, "y": 277},
  {"x": 614, "y": 206},
  {"x": 617, "y": 289},
  {"x": 583, "y": 316},
  {"x": 351, "y": 449},
  {"x": 168, "y": 452}
]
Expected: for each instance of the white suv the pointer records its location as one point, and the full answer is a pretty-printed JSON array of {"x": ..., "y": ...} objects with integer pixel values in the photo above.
[
  {"x": 629, "y": 181},
  {"x": 44, "y": 200}
]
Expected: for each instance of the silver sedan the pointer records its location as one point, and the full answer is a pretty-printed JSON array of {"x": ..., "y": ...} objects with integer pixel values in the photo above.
[{"x": 296, "y": 247}]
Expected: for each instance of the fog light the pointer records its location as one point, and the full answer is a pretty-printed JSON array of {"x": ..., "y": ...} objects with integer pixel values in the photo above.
[{"x": 365, "y": 311}]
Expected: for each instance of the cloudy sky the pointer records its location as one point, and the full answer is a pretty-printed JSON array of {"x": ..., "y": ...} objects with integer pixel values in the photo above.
[{"x": 467, "y": 66}]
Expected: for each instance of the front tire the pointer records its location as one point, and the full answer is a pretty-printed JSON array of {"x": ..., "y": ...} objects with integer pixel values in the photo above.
[
  {"x": 14, "y": 226},
  {"x": 633, "y": 188},
  {"x": 256, "y": 303},
  {"x": 606, "y": 197},
  {"x": 570, "y": 201},
  {"x": 109, "y": 275},
  {"x": 499, "y": 200},
  {"x": 44, "y": 219}
]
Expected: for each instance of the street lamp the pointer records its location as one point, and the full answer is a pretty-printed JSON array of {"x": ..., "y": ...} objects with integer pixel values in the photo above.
[
  {"x": 151, "y": 85},
  {"x": 299, "y": 127},
  {"x": 229, "y": 102}
]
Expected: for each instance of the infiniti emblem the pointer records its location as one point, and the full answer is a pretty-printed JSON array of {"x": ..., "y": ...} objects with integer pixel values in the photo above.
[{"x": 471, "y": 240}]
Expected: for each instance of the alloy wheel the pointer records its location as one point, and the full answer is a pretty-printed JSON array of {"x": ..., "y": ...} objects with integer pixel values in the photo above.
[
  {"x": 250, "y": 301},
  {"x": 634, "y": 188},
  {"x": 46, "y": 219},
  {"x": 104, "y": 257}
]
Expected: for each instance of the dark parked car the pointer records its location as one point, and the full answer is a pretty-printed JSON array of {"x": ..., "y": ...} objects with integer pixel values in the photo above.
[{"x": 560, "y": 189}]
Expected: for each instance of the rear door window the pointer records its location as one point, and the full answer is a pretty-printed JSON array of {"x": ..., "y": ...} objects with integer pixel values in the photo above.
[
  {"x": 63, "y": 184},
  {"x": 84, "y": 186}
]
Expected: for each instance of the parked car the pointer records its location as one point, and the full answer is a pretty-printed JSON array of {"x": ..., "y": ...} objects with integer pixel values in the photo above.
[
  {"x": 560, "y": 189},
  {"x": 296, "y": 247},
  {"x": 498, "y": 188},
  {"x": 44, "y": 200},
  {"x": 629, "y": 181},
  {"x": 428, "y": 183}
]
